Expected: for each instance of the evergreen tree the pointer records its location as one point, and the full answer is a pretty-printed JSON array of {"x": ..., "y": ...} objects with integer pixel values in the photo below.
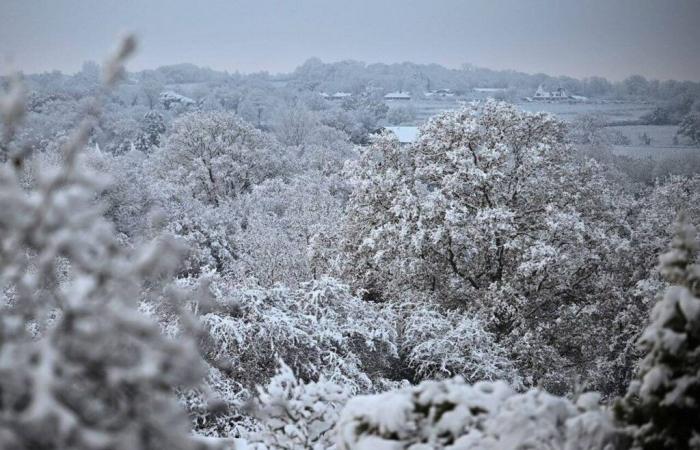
[
  {"x": 662, "y": 405},
  {"x": 152, "y": 129}
]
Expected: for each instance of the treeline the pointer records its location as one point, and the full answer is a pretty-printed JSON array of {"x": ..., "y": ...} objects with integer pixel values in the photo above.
[
  {"x": 354, "y": 76},
  {"x": 357, "y": 77}
]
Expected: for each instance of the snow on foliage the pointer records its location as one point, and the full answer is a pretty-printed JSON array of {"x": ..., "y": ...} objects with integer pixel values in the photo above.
[
  {"x": 80, "y": 366},
  {"x": 168, "y": 98},
  {"x": 287, "y": 230},
  {"x": 319, "y": 329},
  {"x": 454, "y": 415},
  {"x": 324, "y": 333},
  {"x": 295, "y": 415},
  {"x": 216, "y": 156},
  {"x": 663, "y": 402},
  {"x": 437, "y": 344},
  {"x": 491, "y": 212}
]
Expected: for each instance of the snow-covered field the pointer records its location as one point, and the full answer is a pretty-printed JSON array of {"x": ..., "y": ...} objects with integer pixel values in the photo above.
[
  {"x": 662, "y": 143},
  {"x": 655, "y": 152},
  {"x": 661, "y": 135},
  {"x": 612, "y": 112}
]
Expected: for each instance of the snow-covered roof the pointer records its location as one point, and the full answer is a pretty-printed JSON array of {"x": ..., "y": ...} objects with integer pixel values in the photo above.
[
  {"x": 490, "y": 89},
  {"x": 405, "y": 135},
  {"x": 341, "y": 95},
  {"x": 398, "y": 95},
  {"x": 440, "y": 93},
  {"x": 172, "y": 96},
  {"x": 558, "y": 93}
]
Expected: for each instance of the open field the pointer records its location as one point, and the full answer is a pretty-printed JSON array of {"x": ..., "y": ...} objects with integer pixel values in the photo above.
[
  {"x": 613, "y": 112},
  {"x": 643, "y": 151},
  {"x": 661, "y": 135}
]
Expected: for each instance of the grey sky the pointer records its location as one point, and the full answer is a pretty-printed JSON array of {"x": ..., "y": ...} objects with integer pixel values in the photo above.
[{"x": 612, "y": 38}]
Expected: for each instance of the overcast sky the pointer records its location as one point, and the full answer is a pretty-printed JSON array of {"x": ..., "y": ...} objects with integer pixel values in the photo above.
[{"x": 612, "y": 38}]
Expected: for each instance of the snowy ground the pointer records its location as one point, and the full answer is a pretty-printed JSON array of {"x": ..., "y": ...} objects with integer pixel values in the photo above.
[
  {"x": 661, "y": 135},
  {"x": 654, "y": 152},
  {"x": 613, "y": 112}
]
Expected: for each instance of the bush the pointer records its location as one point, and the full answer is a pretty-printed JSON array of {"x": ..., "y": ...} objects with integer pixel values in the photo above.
[
  {"x": 457, "y": 416},
  {"x": 80, "y": 366},
  {"x": 295, "y": 415},
  {"x": 320, "y": 330}
]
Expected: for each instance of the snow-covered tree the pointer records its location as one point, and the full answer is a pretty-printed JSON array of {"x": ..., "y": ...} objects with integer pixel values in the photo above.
[
  {"x": 210, "y": 233},
  {"x": 319, "y": 329},
  {"x": 152, "y": 128},
  {"x": 80, "y": 366},
  {"x": 690, "y": 127},
  {"x": 487, "y": 194},
  {"x": 662, "y": 405},
  {"x": 295, "y": 415},
  {"x": 376, "y": 179},
  {"x": 127, "y": 200},
  {"x": 216, "y": 156},
  {"x": 151, "y": 84},
  {"x": 357, "y": 116},
  {"x": 437, "y": 344},
  {"x": 491, "y": 211},
  {"x": 288, "y": 230},
  {"x": 294, "y": 125}
]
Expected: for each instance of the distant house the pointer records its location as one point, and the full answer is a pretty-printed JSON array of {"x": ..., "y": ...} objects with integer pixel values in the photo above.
[
  {"x": 170, "y": 98},
  {"x": 399, "y": 95},
  {"x": 405, "y": 135},
  {"x": 442, "y": 93},
  {"x": 555, "y": 95},
  {"x": 340, "y": 96}
]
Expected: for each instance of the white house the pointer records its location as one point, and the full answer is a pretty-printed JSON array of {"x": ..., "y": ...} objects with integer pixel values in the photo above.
[
  {"x": 440, "y": 93},
  {"x": 399, "y": 95},
  {"x": 340, "y": 96},
  {"x": 557, "y": 94}
]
